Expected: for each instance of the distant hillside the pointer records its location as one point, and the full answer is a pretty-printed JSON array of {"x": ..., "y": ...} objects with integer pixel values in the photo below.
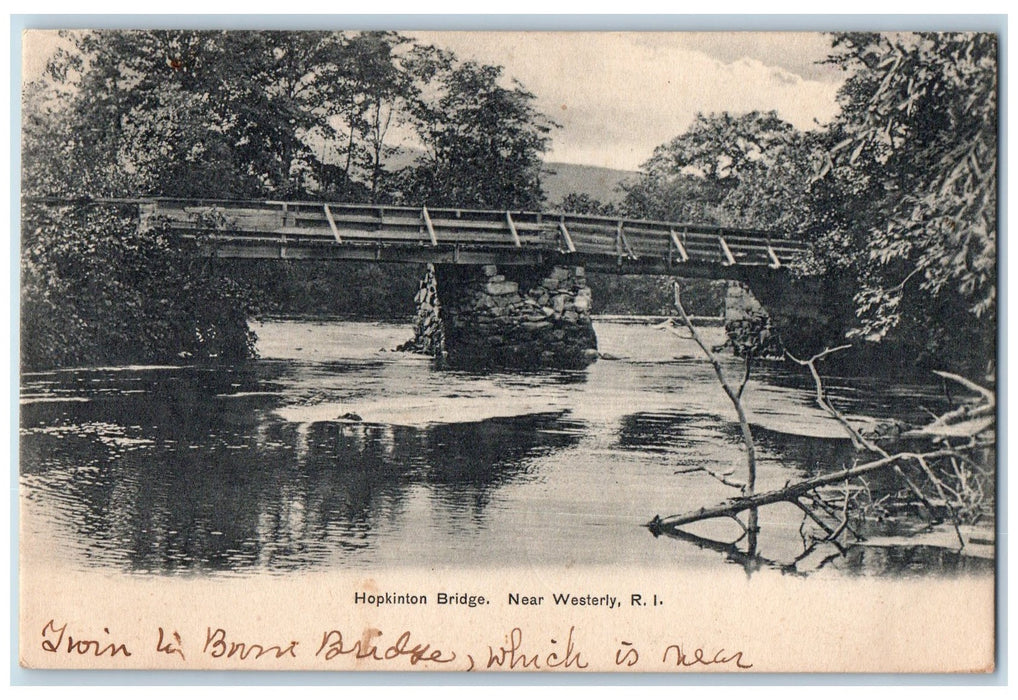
[
  {"x": 560, "y": 179},
  {"x": 557, "y": 179}
]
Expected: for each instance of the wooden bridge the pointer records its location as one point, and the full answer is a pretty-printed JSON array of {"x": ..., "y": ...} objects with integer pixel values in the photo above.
[
  {"x": 337, "y": 231},
  {"x": 512, "y": 284}
]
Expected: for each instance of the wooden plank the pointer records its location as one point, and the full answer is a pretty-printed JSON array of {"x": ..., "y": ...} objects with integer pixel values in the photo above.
[
  {"x": 512, "y": 229},
  {"x": 729, "y": 258},
  {"x": 341, "y": 219},
  {"x": 681, "y": 249},
  {"x": 467, "y": 225},
  {"x": 409, "y": 235},
  {"x": 583, "y": 246},
  {"x": 775, "y": 263},
  {"x": 322, "y": 231},
  {"x": 570, "y": 247},
  {"x": 431, "y": 229},
  {"x": 449, "y": 238},
  {"x": 332, "y": 224},
  {"x": 595, "y": 249}
]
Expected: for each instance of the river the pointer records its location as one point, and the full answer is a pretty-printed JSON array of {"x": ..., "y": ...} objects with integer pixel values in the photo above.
[{"x": 332, "y": 452}]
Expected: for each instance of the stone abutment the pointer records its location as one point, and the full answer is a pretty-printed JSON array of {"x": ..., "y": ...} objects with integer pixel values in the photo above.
[
  {"x": 514, "y": 316},
  {"x": 780, "y": 311}
]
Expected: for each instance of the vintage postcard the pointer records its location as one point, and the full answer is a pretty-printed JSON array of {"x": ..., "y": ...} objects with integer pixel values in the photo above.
[{"x": 508, "y": 351}]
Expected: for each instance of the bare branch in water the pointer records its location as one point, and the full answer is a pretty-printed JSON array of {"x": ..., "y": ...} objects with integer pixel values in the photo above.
[
  {"x": 990, "y": 397},
  {"x": 723, "y": 477},
  {"x": 749, "y": 488},
  {"x": 971, "y": 422}
]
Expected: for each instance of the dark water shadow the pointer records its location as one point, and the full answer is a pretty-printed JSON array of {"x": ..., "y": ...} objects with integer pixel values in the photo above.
[{"x": 186, "y": 476}]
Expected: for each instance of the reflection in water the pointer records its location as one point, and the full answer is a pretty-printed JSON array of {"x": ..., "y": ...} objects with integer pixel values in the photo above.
[
  {"x": 376, "y": 458},
  {"x": 209, "y": 488},
  {"x": 856, "y": 559}
]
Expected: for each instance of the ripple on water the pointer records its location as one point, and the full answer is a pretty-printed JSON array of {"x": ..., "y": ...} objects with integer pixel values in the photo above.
[{"x": 339, "y": 455}]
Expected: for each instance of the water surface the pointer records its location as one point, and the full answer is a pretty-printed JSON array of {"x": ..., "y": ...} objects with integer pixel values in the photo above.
[{"x": 332, "y": 452}]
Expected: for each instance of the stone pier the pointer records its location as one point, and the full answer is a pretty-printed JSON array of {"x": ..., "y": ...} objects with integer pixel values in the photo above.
[
  {"x": 802, "y": 315},
  {"x": 515, "y": 316}
]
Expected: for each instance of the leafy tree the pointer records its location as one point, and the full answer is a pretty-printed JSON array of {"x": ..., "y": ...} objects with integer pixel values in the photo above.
[
  {"x": 382, "y": 90},
  {"x": 97, "y": 289},
  {"x": 910, "y": 188},
  {"x": 182, "y": 113},
  {"x": 583, "y": 203},
  {"x": 898, "y": 192},
  {"x": 483, "y": 141},
  {"x": 749, "y": 170}
]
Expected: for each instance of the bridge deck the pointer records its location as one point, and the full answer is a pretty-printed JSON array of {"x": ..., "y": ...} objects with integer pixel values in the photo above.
[{"x": 317, "y": 230}]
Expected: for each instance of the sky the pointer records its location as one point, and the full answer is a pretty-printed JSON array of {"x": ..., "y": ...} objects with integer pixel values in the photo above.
[{"x": 618, "y": 95}]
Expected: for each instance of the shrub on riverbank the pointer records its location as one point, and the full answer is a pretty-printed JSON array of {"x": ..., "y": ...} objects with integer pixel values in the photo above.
[{"x": 97, "y": 290}]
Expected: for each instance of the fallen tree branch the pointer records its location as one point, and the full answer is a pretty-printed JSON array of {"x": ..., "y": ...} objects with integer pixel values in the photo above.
[
  {"x": 939, "y": 486},
  {"x": 990, "y": 397},
  {"x": 972, "y": 422},
  {"x": 857, "y": 438},
  {"x": 813, "y": 516},
  {"x": 964, "y": 421},
  {"x": 950, "y": 424},
  {"x": 734, "y": 506}
]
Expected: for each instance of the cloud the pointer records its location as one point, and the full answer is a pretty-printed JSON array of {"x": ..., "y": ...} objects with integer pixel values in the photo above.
[
  {"x": 618, "y": 95},
  {"x": 797, "y": 52}
]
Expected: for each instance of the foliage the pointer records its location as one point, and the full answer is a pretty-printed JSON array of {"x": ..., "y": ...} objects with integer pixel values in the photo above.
[
  {"x": 651, "y": 295},
  {"x": 380, "y": 86},
  {"x": 753, "y": 336},
  {"x": 913, "y": 165},
  {"x": 898, "y": 193},
  {"x": 748, "y": 170},
  {"x": 96, "y": 289},
  {"x": 483, "y": 140},
  {"x": 583, "y": 203},
  {"x": 178, "y": 113},
  {"x": 322, "y": 288}
]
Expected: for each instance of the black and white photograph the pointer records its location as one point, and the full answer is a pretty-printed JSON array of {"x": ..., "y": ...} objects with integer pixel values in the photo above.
[{"x": 493, "y": 350}]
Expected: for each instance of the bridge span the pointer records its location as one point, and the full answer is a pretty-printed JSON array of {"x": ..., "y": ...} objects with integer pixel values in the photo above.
[
  {"x": 338, "y": 231},
  {"x": 508, "y": 287}
]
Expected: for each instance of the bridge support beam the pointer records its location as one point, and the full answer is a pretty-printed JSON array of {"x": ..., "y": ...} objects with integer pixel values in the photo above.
[{"x": 510, "y": 316}]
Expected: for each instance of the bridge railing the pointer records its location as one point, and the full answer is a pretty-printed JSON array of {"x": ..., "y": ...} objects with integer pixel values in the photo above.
[
  {"x": 353, "y": 223},
  {"x": 313, "y": 224}
]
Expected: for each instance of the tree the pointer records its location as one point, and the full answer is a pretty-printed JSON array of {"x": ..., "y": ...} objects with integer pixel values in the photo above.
[
  {"x": 380, "y": 92},
  {"x": 483, "y": 141},
  {"x": 910, "y": 185},
  {"x": 583, "y": 203},
  {"x": 183, "y": 113},
  {"x": 96, "y": 289},
  {"x": 749, "y": 170}
]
